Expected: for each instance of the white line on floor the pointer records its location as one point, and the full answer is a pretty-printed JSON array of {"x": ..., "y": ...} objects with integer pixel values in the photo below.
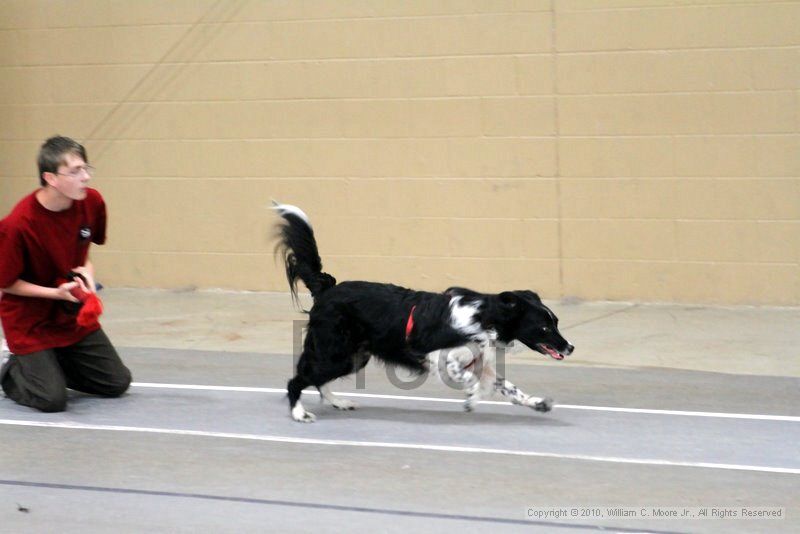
[
  {"x": 722, "y": 415},
  {"x": 389, "y": 445}
]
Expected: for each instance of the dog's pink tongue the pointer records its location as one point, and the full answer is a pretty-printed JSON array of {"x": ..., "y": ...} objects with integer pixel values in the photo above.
[{"x": 553, "y": 354}]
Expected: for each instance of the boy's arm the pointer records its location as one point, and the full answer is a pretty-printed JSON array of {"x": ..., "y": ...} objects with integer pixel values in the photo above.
[{"x": 22, "y": 288}]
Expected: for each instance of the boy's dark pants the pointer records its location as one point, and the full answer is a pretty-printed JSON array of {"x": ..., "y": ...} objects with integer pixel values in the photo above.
[{"x": 40, "y": 379}]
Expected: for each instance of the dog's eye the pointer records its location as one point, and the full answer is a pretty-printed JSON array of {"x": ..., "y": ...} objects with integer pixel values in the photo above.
[{"x": 545, "y": 329}]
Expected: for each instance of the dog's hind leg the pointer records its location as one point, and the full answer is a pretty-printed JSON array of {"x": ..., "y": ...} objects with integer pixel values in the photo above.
[
  {"x": 324, "y": 359},
  {"x": 517, "y": 396},
  {"x": 359, "y": 361},
  {"x": 336, "y": 401},
  {"x": 295, "y": 388},
  {"x": 300, "y": 382}
]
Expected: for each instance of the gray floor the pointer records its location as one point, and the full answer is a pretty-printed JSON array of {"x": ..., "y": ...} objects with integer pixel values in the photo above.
[{"x": 203, "y": 441}]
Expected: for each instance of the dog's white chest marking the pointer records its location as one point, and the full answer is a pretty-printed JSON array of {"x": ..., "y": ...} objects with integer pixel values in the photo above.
[{"x": 464, "y": 317}]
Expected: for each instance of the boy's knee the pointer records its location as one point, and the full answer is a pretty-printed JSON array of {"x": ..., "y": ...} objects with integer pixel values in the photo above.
[
  {"x": 53, "y": 402},
  {"x": 120, "y": 384},
  {"x": 49, "y": 398}
]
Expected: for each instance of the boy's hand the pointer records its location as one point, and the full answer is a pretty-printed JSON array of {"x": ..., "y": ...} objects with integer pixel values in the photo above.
[
  {"x": 63, "y": 291},
  {"x": 90, "y": 286}
]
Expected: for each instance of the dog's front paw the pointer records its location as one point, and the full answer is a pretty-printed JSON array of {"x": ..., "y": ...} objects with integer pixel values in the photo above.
[
  {"x": 300, "y": 415},
  {"x": 473, "y": 397},
  {"x": 469, "y": 404},
  {"x": 543, "y": 405}
]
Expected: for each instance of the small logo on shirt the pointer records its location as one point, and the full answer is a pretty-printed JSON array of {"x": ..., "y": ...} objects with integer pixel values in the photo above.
[{"x": 86, "y": 233}]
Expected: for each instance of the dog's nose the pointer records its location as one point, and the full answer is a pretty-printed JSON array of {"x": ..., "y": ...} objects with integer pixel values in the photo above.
[{"x": 569, "y": 350}]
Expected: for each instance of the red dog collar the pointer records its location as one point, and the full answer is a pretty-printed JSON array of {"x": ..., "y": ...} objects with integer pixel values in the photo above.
[{"x": 410, "y": 322}]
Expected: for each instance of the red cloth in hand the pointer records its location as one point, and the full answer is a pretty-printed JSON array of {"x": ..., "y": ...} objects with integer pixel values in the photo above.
[
  {"x": 92, "y": 306},
  {"x": 90, "y": 311}
]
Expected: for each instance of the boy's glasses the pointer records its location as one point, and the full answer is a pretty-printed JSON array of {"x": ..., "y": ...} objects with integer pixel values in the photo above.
[{"x": 76, "y": 173}]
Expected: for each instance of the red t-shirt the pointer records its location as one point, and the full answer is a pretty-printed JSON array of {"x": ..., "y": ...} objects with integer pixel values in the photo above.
[{"x": 41, "y": 247}]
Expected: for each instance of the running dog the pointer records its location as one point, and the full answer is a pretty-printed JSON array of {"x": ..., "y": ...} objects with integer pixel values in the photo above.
[{"x": 352, "y": 321}]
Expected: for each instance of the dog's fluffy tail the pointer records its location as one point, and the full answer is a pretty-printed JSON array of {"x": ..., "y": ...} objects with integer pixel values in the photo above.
[{"x": 298, "y": 247}]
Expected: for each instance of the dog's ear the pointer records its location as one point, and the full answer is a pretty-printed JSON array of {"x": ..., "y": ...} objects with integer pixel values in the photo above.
[
  {"x": 515, "y": 298},
  {"x": 509, "y": 302},
  {"x": 515, "y": 302},
  {"x": 532, "y": 296},
  {"x": 508, "y": 298}
]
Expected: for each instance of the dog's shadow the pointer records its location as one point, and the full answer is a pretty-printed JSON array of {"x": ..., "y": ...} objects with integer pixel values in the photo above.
[{"x": 453, "y": 417}]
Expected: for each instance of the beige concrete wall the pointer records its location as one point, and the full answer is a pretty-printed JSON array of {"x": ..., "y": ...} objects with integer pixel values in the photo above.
[{"x": 621, "y": 149}]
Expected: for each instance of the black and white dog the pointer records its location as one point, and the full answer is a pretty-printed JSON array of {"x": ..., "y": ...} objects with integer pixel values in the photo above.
[{"x": 352, "y": 321}]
